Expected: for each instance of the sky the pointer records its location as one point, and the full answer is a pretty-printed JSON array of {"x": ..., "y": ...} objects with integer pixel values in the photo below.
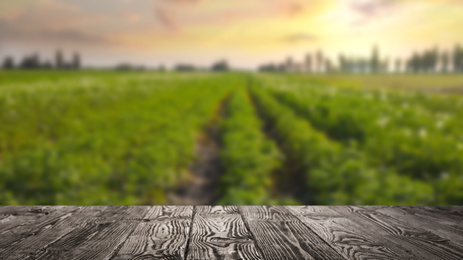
[{"x": 244, "y": 32}]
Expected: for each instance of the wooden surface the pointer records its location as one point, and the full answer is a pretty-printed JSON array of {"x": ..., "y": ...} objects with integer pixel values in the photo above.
[{"x": 230, "y": 232}]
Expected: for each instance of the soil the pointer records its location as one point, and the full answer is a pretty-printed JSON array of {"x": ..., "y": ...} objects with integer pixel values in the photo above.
[{"x": 201, "y": 188}]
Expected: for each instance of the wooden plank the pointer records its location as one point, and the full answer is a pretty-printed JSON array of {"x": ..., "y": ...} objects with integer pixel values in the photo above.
[
  {"x": 30, "y": 222},
  {"x": 422, "y": 243},
  {"x": 219, "y": 232},
  {"x": 15, "y": 216},
  {"x": 24, "y": 210},
  {"x": 449, "y": 216},
  {"x": 230, "y": 232},
  {"x": 455, "y": 210},
  {"x": 97, "y": 237},
  {"x": 163, "y": 234},
  {"x": 216, "y": 210},
  {"x": 346, "y": 237},
  {"x": 45, "y": 234},
  {"x": 280, "y": 235},
  {"x": 420, "y": 219}
]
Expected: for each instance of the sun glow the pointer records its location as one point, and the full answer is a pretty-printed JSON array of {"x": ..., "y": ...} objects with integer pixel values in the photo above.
[{"x": 166, "y": 31}]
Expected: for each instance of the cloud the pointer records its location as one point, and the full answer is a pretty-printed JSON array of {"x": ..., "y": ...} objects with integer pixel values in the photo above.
[
  {"x": 371, "y": 7},
  {"x": 12, "y": 33},
  {"x": 51, "y": 15},
  {"x": 368, "y": 11},
  {"x": 294, "y": 9},
  {"x": 73, "y": 36},
  {"x": 51, "y": 22},
  {"x": 300, "y": 37},
  {"x": 167, "y": 18},
  {"x": 287, "y": 8}
]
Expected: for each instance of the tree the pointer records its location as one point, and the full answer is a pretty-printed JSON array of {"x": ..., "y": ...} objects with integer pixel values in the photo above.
[
  {"x": 328, "y": 65},
  {"x": 374, "y": 60},
  {"x": 221, "y": 65},
  {"x": 320, "y": 61},
  {"x": 342, "y": 63},
  {"x": 398, "y": 65},
  {"x": 445, "y": 62},
  {"x": 308, "y": 63},
  {"x": 184, "y": 67},
  {"x": 289, "y": 65},
  {"x": 30, "y": 62},
  {"x": 46, "y": 65},
  {"x": 458, "y": 59},
  {"x": 161, "y": 68},
  {"x": 433, "y": 59},
  {"x": 59, "y": 60},
  {"x": 270, "y": 67},
  {"x": 384, "y": 65},
  {"x": 8, "y": 63},
  {"x": 415, "y": 63},
  {"x": 76, "y": 61},
  {"x": 428, "y": 60}
]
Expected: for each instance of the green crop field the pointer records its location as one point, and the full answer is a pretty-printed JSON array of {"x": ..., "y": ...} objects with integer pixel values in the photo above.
[{"x": 102, "y": 137}]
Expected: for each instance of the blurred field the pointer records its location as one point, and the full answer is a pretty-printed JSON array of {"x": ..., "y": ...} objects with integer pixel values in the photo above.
[
  {"x": 433, "y": 83},
  {"x": 102, "y": 137}
]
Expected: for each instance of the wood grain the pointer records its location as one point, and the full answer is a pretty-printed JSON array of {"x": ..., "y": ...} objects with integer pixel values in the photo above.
[
  {"x": 162, "y": 234},
  {"x": 25, "y": 225},
  {"x": 448, "y": 216},
  {"x": 421, "y": 219},
  {"x": 16, "y": 216},
  {"x": 95, "y": 237},
  {"x": 348, "y": 238},
  {"x": 421, "y": 243},
  {"x": 280, "y": 235},
  {"x": 219, "y": 232},
  {"x": 230, "y": 232}
]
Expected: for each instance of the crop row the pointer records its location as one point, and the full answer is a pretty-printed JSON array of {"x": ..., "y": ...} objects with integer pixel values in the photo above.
[
  {"x": 395, "y": 130},
  {"x": 119, "y": 142},
  {"x": 248, "y": 158},
  {"x": 332, "y": 173}
]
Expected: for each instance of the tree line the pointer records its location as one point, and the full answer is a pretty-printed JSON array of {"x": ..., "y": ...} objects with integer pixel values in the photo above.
[
  {"x": 33, "y": 61},
  {"x": 430, "y": 60}
]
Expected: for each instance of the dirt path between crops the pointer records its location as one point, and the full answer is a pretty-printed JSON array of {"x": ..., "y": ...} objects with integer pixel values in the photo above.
[
  {"x": 289, "y": 178},
  {"x": 204, "y": 174}
]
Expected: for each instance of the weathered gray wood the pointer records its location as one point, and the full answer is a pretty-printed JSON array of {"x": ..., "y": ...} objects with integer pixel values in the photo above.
[
  {"x": 163, "y": 234},
  {"x": 280, "y": 235},
  {"x": 420, "y": 219},
  {"x": 26, "y": 224},
  {"x": 455, "y": 210},
  {"x": 219, "y": 232},
  {"x": 25, "y": 210},
  {"x": 346, "y": 237},
  {"x": 231, "y": 232},
  {"x": 422, "y": 243},
  {"x": 45, "y": 234},
  {"x": 16, "y": 216},
  {"x": 449, "y": 216},
  {"x": 96, "y": 237}
]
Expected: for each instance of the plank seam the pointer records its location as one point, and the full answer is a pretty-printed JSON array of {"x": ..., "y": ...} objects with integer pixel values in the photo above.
[
  {"x": 246, "y": 224},
  {"x": 60, "y": 237},
  {"x": 190, "y": 232},
  {"x": 118, "y": 247},
  {"x": 315, "y": 233}
]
